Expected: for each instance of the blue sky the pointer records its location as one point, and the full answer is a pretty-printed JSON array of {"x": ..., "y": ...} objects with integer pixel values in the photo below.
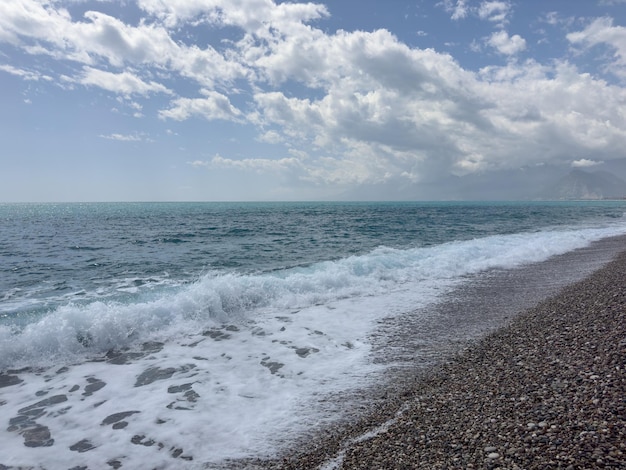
[{"x": 266, "y": 100}]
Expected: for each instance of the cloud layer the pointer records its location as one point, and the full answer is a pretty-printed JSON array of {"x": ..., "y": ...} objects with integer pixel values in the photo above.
[{"x": 349, "y": 107}]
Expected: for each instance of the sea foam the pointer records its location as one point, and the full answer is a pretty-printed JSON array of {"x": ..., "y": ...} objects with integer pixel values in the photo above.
[
  {"x": 228, "y": 366},
  {"x": 77, "y": 330}
]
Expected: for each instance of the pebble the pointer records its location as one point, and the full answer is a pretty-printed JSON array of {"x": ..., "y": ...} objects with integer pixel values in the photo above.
[{"x": 447, "y": 419}]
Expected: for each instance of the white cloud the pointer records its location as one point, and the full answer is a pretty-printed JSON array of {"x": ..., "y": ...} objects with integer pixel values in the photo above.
[
  {"x": 259, "y": 165},
  {"x": 458, "y": 9},
  {"x": 505, "y": 44},
  {"x": 23, "y": 19},
  {"x": 552, "y": 18},
  {"x": 119, "y": 43},
  {"x": 25, "y": 74},
  {"x": 432, "y": 117},
  {"x": 271, "y": 137},
  {"x": 123, "y": 137},
  {"x": 47, "y": 29},
  {"x": 585, "y": 163},
  {"x": 602, "y": 31},
  {"x": 257, "y": 17},
  {"x": 124, "y": 83},
  {"x": 384, "y": 104},
  {"x": 213, "y": 106},
  {"x": 366, "y": 107},
  {"x": 494, "y": 11}
]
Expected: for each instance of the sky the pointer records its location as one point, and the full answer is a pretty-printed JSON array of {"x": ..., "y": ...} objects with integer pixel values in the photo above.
[{"x": 237, "y": 100}]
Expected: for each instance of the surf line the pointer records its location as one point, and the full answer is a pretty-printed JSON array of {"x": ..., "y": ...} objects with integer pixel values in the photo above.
[{"x": 336, "y": 462}]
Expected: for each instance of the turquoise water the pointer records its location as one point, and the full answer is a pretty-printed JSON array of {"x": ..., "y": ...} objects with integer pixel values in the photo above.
[
  {"x": 55, "y": 253},
  {"x": 168, "y": 335}
]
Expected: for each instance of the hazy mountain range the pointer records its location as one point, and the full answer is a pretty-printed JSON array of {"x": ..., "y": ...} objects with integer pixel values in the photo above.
[
  {"x": 546, "y": 182},
  {"x": 581, "y": 184}
]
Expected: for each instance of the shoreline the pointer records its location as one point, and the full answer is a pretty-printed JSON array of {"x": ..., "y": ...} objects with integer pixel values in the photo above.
[{"x": 548, "y": 390}]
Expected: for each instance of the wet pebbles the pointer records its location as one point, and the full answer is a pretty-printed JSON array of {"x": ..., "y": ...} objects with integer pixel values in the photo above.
[{"x": 547, "y": 391}]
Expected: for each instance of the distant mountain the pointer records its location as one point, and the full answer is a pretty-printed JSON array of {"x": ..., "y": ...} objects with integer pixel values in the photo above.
[
  {"x": 548, "y": 182},
  {"x": 581, "y": 184}
]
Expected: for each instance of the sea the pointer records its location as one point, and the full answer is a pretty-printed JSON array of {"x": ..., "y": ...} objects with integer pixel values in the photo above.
[{"x": 200, "y": 335}]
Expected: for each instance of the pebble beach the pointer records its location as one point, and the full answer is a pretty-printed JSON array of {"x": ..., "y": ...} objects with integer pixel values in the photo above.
[{"x": 548, "y": 390}]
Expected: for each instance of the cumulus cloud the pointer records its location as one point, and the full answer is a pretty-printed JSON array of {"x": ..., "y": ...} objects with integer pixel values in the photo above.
[
  {"x": 124, "y": 83},
  {"x": 494, "y": 11},
  {"x": 253, "y": 16},
  {"x": 585, "y": 163},
  {"x": 271, "y": 137},
  {"x": 505, "y": 44},
  {"x": 458, "y": 9},
  {"x": 22, "y": 21},
  {"x": 40, "y": 28},
  {"x": 361, "y": 106},
  {"x": 213, "y": 106},
  {"x": 602, "y": 32}
]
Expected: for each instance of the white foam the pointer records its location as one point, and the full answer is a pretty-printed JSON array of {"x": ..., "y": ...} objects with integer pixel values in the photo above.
[
  {"x": 239, "y": 399},
  {"x": 75, "y": 331},
  {"x": 252, "y": 359}
]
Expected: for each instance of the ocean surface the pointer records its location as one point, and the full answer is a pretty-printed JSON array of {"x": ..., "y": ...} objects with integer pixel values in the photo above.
[{"x": 183, "y": 335}]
